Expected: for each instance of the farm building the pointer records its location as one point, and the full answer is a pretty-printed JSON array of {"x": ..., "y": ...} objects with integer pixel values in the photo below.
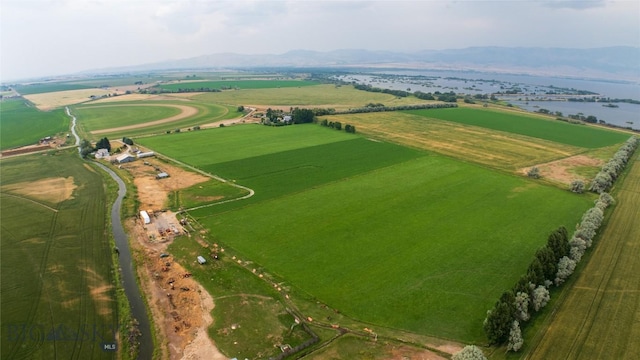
[
  {"x": 201, "y": 260},
  {"x": 125, "y": 158},
  {"x": 145, "y": 154},
  {"x": 145, "y": 217},
  {"x": 102, "y": 153},
  {"x": 162, "y": 175}
]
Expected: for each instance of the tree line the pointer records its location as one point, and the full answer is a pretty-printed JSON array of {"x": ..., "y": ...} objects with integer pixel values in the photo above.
[
  {"x": 555, "y": 262},
  {"x": 612, "y": 169},
  {"x": 368, "y": 108},
  {"x": 445, "y": 97},
  {"x": 338, "y": 126},
  {"x": 179, "y": 90}
]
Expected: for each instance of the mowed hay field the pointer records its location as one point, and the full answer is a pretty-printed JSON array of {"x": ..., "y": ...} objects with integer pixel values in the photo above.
[
  {"x": 22, "y": 124},
  {"x": 58, "y": 295},
  {"x": 600, "y": 316},
  {"x": 53, "y": 100},
  {"x": 385, "y": 234},
  {"x": 457, "y": 132}
]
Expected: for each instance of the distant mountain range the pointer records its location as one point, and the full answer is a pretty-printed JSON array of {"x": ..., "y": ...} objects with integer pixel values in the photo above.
[{"x": 619, "y": 62}]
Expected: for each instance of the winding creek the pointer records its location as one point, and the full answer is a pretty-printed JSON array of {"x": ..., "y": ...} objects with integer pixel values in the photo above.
[{"x": 131, "y": 290}]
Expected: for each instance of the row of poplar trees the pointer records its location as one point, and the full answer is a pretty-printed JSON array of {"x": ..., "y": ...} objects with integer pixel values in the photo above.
[{"x": 553, "y": 263}]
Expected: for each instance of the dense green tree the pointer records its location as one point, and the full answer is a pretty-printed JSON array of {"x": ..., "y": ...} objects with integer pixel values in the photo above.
[
  {"x": 498, "y": 321},
  {"x": 548, "y": 261},
  {"x": 535, "y": 273},
  {"x": 302, "y": 116},
  {"x": 103, "y": 144},
  {"x": 85, "y": 148},
  {"x": 558, "y": 242}
]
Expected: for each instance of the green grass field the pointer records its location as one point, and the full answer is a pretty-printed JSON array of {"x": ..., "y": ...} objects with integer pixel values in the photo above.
[
  {"x": 58, "y": 295},
  {"x": 41, "y": 88},
  {"x": 388, "y": 235},
  {"x": 425, "y": 246},
  {"x": 325, "y": 96},
  {"x": 22, "y": 124},
  {"x": 243, "y": 301},
  {"x": 100, "y": 117},
  {"x": 598, "y": 319},
  {"x": 238, "y": 84},
  {"x": 528, "y": 125},
  {"x": 239, "y": 142}
]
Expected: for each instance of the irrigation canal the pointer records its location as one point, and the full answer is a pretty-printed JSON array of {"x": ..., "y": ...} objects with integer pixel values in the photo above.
[{"x": 131, "y": 290}]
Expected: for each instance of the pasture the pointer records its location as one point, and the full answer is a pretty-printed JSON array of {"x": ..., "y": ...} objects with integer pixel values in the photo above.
[
  {"x": 322, "y": 96},
  {"x": 58, "y": 291},
  {"x": 598, "y": 319},
  {"x": 388, "y": 235},
  {"x": 236, "y": 84},
  {"x": 528, "y": 125},
  {"x": 22, "y": 124},
  {"x": 249, "y": 319}
]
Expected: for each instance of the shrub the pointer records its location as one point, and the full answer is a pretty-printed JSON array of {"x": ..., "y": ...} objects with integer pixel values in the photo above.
[
  {"x": 577, "y": 186},
  {"x": 540, "y": 297},
  {"x": 534, "y": 173},
  {"x": 469, "y": 352},
  {"x": 515, "y": 337}
]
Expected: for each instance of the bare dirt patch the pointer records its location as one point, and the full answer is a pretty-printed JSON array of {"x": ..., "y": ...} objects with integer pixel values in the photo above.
[
  {"x": 53, "y": 190},
  {"x": 153, "y": 193},
  {"x": 53, "y": 143},
  {"x": 186, "y": 111},
  {"x": 560, "y": 170}
]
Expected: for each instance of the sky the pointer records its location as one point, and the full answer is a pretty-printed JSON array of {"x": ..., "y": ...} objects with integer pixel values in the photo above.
[{"x": 56, "y": 37}]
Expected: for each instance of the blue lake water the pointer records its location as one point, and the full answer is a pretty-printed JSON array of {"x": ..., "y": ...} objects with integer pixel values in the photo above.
[{"x": 472, "y": 83}]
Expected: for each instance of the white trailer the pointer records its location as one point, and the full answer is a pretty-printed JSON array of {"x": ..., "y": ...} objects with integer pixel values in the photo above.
[
  {"x": 145, "y": 217},
  {"x": 202, "y": 260}
]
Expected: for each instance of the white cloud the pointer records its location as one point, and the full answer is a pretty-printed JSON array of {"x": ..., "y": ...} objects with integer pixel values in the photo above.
[
  {"x": 574, "y": 4},
  {"x": 41, "y": 37}
]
